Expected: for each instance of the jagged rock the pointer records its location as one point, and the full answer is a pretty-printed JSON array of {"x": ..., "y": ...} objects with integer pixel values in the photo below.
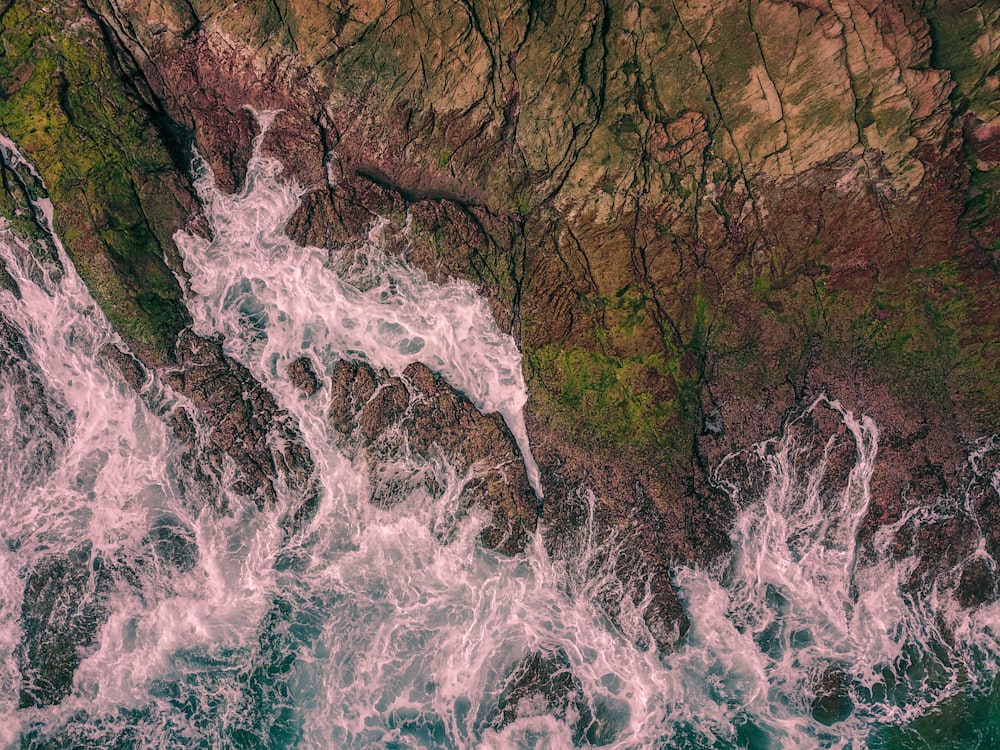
[
  {"x": 978, "y": 584},
  {"x": 242, "y": 420},
  {"x": 739, "y": 205},
  {"x": 300, "y": 373},
  {"x": 438, "y": 420},
  {"x": 43, "y": 420},
  {"x": 616, "y": 533},
  {"x": 353, "y": 384},
  {"x": 125, "y": 365},
  {"x": 60, "y": 614},
  {"x": 385, "y": 408}
]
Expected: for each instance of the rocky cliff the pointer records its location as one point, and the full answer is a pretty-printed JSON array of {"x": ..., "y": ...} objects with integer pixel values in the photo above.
[{"x": 693, "y": 216}]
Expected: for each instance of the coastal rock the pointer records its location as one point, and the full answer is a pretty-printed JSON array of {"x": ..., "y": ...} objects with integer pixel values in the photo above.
[
  {"x": 832, "y": 702},
  {"x": 243, "y": 421},
  {"x": 617, "y": 539},
  {"x": 421, "y": 417},
  {"x": 300, "y": 373},
  {"x": 739, "y": 206},
  {"x": 44, "y": 420}
]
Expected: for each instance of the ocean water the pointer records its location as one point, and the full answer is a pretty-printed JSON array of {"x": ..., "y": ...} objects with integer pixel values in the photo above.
[{"x": 200, "y": 628}]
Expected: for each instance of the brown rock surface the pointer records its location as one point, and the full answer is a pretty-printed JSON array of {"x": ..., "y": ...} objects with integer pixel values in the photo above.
[
  {"x": 300, "y": 373},
  {"x": 242, "y": 421},
  {"x": 419, "y": 416}
]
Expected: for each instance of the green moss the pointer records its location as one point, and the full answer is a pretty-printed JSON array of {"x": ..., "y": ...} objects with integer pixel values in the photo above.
[
  {"x": 630, "y": 305},
  {"x": 607, "y": 399},
  {"x": 93, "y": 146},
  {"x": 761, "y": 286},
  {"x": 890, "y": 120},
  {"x": 925, "y": 339},
  {"x": 955, "y": 33},
  {"x": 648, "y": 403}
]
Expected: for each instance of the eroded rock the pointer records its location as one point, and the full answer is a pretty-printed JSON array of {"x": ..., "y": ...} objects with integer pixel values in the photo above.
[
  {"x": 438, "y": 422},
  {"x": 300, "y": 373},
  {"x": 242, "y": 421},
  {"x": 832, "y": 702},
  {"x": 40, "y": 418},
  {"x": 543, "y": 684}
]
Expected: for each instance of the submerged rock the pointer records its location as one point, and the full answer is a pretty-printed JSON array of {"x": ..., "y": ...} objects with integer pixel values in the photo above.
[
  {"x": 832, "y": 702},
  {"x": 420, "y": 416},
  {"x": 543, "y": 684},
  {"x": 60, "y": 614},
  {"x": 978, "y": 584},
  {"x": 43, "y": 419}
]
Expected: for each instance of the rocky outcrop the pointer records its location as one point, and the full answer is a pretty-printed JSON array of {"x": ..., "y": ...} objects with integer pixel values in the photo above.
[
  {"x": 32, "y": 451},
  {"x": 738, "y": 206},
  {"x": 419, "y": 417},
  {"x": 243, "y": 421},
  {"x": 300, "y": 374},
  {"x": 229, "y": 416},
  {"x": 113, "y": 167}
]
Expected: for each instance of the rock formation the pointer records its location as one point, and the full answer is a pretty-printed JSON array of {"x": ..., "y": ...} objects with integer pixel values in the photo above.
[
  {"x": 419, "y": 416},
  {"x": 693, "y": 217}
]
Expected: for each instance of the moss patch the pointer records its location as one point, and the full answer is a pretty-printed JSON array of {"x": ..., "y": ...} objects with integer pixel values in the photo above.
[{"x": 103, "y": 163}]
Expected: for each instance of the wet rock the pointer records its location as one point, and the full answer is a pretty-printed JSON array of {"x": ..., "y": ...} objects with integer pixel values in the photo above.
[
  {"x": 60, "y": 614},
  {"x": 542, "y": 684},
  {"x": 7, "y": 281},
  {"x": 438, "y": 421},
  {"x": 39, "y": 420},
  {"x": 605, "y": 528},
  {"x": 173, "y": 543},
  {"x": 353, "y": 383},
  {"x": 242, "y": 420},
  {"x": 183, "y": 426},
  {"x": 385, "y": 408},
  {"x": 125, "y": 365},
  {"x": 300, "y": 373},
  {"x": 832, "y": 702},
  {"x": 978, "y": 584}
]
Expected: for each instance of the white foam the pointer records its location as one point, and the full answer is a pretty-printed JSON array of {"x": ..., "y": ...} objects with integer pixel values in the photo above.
[{"x": 381, "y": 309}]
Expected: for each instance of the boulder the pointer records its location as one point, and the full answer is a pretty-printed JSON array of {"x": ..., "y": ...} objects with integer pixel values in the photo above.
[{"x": 300, "y": 373}]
